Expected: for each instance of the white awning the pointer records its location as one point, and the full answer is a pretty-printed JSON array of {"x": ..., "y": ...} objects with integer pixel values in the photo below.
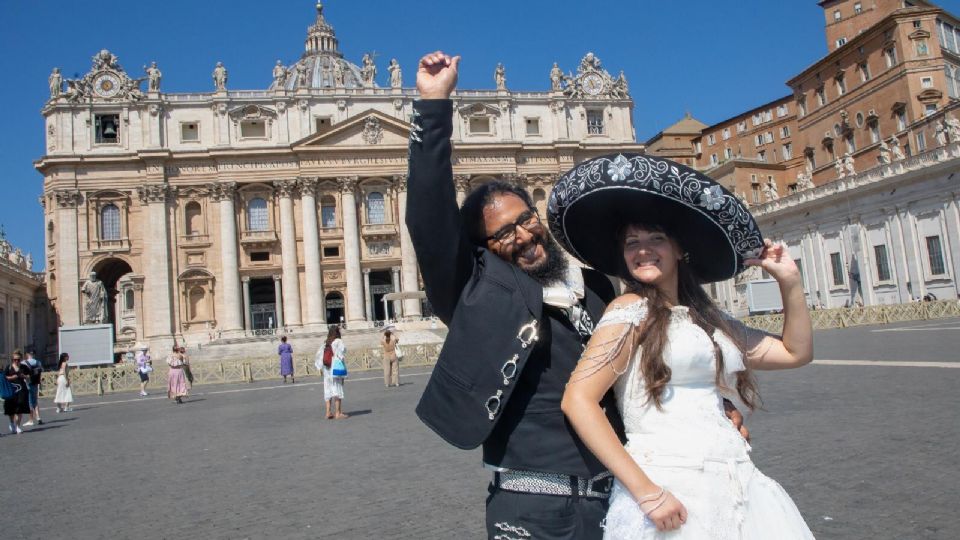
[{"x": 409, "y": 295}]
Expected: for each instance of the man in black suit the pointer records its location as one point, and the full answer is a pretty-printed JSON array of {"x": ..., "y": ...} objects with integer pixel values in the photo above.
[{"x": 518, "y": 319}]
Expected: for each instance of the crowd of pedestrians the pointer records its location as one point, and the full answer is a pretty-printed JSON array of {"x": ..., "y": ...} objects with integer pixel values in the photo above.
[{"x": 21, "y": 391}]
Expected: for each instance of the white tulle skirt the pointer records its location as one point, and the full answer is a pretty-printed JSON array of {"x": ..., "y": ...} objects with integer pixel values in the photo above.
[{"x": 729, "y": 500}]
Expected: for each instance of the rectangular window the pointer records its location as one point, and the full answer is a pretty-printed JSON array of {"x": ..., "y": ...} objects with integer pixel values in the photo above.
[
  {"x": 189, "y": 132},
  {"x": 836, "y": 264},
  {"x": 782, "y": 110},
  {"x": 757, "y": 119},
  {"x": 784, "y": 132},
  {"x": 726, "y": 133},
  {"x": 253, "y": 129},
  {"x": 841, "y": 42},
  {"x": 712, "y": 139},
  {"x": 713, "y": 159},
  {"x": 948, "y": 71},
  {"x": 331, "y": 251},
  {"x": 926, "y": 82},
  {"x": 480, "y": 125},
  {"x": 802, "y": 106},
  {"x": 755, "y": 193},
  {"x": 883, "y": 263},
  {"x": 857, "y": 8},
  {"x": 935, "y": 255},
  {"x": 767, "y": 115},
  {"x": 891, "y": 57},
  {"x": 762, "y": 155},
  {"x": 851, "y": 144},
  {"x": 841, "y": 86},
  {"x": 742, "y": 126},
  {"x": 864, "y": 72},
  {"x": 107, "y": 128},
  {"x": 874, "y": 132},
  {"x": 595, "y": 123},
  {"x": 728, "y": 153},
  {"x": 259, "y": 256},
  {"x": 836, "y": 15},
  {"x": 321, "y": 124},
  {"x": 922, "y": 49},
  {"x": 328, "y": 216},
  {"x": 821, "y": 97},
  {"x": 921, "y": 142},
  {"x": 901, "y": 120},
  {"x": 758, "y": 139},
  {"x": 787, "y": 151},
  {"x": 533, "y": 126}
]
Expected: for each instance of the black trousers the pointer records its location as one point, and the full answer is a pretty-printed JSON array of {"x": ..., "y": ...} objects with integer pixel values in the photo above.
[{"x": 528, "y": 516}]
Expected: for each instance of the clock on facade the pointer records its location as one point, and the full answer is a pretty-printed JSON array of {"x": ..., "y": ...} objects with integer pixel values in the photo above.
[
  {"x": 106, "y": 85},
  {"x": 592, "y": 84}
]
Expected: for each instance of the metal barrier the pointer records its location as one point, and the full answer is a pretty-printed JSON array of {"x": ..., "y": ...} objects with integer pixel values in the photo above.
[{"x": 124, "y": 377}]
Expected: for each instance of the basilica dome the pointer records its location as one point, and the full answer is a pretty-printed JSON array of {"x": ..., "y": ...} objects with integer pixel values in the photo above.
[{"x": 322, "y": 64}]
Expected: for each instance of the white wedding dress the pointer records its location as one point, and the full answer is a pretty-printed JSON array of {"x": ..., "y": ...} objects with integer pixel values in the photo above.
[{"x": 691, "y": 448}]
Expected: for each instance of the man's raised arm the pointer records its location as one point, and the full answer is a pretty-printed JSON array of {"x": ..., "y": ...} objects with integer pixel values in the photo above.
[{"x": 444, "y": 253}]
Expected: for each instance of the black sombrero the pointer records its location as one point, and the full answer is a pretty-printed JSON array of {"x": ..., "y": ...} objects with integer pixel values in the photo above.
[{"x": 594, "y": 200}]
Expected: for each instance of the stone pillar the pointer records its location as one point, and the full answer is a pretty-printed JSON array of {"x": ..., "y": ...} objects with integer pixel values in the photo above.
[
  {"x": 396, "y": 288},
  {"x": 247, "y": 315},
  {"x": 462, "y": 184},
  {"x": 278, "y": 303},
  {"x": 408, "y": 257},
  {"x": 367, "y": 297},
  {"x": 156, "y": 271},
  {"x": 224, "y": 193},
  {"x": 351, "y": 245},
  {"x": 311, "y": 253},
  {"x": 288, "y": 253},
  {"x": 68, "y": 267}
]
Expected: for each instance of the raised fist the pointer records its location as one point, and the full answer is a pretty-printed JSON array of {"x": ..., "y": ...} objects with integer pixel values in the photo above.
[{"x": 437, "y": 75}]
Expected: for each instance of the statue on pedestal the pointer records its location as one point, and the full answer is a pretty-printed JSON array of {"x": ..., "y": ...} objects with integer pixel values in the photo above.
[
  {"x": 95, "y": 301},
  {"x": 804, "y": 181},
  {"x": 279, "y": 75},
  {"x": 838, "y": 166},
  {"x": 337, "y": 73},
  {"x": 220, "y": 77},
  {"x": 396, "y": 76},
  {"x": 895, "y": 148},
  {"x": 56, "y": 83},
  {"x": 953, "y": 128},
  {"x": 770, "y": 191},
  {"x": 884, "y": 157},
  {"x": 301, "y": 75},
  {"x": 369, "y": 70},
  {"x": 556, "y": 78},
  {"x": 941, "y": 134},
  {"x": 500, "y": 77},
  {"x": 848, "y": 164},
  {"x": 153, "y": 77}
]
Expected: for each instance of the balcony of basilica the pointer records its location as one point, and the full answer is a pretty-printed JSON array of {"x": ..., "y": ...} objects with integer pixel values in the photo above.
[
  {"x": 378, "y": 231},
  {"x": 258, "y": 239}
]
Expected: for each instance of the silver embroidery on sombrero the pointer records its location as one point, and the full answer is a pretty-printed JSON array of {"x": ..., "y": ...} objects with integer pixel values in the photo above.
[{"x": 659, "y": 177}]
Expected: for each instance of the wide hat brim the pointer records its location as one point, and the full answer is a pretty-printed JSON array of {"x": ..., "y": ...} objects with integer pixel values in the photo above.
[{"x": 594, "y": 201}]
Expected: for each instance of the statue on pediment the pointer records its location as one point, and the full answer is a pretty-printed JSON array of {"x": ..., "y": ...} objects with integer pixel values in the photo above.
[
  {"x": 620, "y": 89},
  {"x": 368, "y": 72},
  {"x": 940, "y": 134},
  {"x": 804, "y": 181},
  {"x": 884, "y": 156},
  {"x": 56, "y": 83},
  {"x": 770, "y": 191},
  {"x": 896, "y": 149},
  {"x": 500, "y": 77},
  {"x": 220, "y": 77},
  {"x": 556, "y": 78},
  {"x": 838, "y": 166},
  {"x": 396, "y": 76},
  {"x": 106, "y": 60},
  {"x": 153, "y": 77},
  {"x": 279, "y": 75},
  {"x": 338, "y": 80},
  {"x": 302, "y": 75}
]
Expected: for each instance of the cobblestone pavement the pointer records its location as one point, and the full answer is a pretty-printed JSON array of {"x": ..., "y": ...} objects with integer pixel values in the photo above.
[{"x": 867, "y": 451}]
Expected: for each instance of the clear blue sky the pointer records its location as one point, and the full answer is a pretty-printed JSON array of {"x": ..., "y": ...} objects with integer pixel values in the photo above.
[{"x": 713, "y": 58}]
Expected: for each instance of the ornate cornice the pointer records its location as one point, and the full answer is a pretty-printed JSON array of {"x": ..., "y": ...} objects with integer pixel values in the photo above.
[
  {"x": 285, "y": 188},
  {"x": 223, "y": 191},
  {"x": 68, "y": 198},
  {"x": 155, "y": 193}
]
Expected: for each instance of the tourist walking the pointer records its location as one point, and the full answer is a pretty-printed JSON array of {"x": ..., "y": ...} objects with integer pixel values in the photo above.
[
  {"x": 33, "y": 389},
  {"x": 17, "y": 405},
  {"x": 286, "y": 360},
  {"x": 177, "y": 386},
  {"x": 683, "y": 471},
  {"x": 391, "y": 358},
  {"x": 144, "y": 367},
  {"x": 333, "y": 350},
  {"x": 64, "y": 397}
]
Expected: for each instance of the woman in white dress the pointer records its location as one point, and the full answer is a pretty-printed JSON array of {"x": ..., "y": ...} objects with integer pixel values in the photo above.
[
  {"x": 671, "y": 356},
  {"x": 333, "y": 349},
  {"x": 64, "y": 396}
]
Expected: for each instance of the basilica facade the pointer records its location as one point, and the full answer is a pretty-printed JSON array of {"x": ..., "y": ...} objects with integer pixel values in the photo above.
[{"x": 235, "y": 212}]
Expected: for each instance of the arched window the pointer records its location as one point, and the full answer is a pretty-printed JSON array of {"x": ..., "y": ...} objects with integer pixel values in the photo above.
[
  {"x": 328, "y": 212},
  {"x": 193, "y": 217},
  {"x": 110, "y": 222},
  {"x": 257, "y": 219},
  {"x": 375, "y": 208}
]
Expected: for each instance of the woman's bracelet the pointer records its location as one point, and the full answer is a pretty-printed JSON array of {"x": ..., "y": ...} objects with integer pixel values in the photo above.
[
  {"x": 650, "y": 498},
  {"x": 658, "y": 505}
]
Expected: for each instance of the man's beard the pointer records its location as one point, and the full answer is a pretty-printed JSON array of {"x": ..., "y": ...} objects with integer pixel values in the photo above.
[{"x": 554, "y": 268}]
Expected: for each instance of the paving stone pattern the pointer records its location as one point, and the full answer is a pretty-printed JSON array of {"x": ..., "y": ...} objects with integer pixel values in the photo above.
[{"x": 866, "y": 452}]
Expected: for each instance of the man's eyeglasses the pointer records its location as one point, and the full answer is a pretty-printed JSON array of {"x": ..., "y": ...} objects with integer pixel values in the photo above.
[{"x": 530, "y": 222}]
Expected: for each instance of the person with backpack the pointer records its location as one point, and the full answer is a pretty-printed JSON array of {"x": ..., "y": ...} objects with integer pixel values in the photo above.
[
  {"x": 330, "y": 359},
  {"x": 33, "y": 389}
]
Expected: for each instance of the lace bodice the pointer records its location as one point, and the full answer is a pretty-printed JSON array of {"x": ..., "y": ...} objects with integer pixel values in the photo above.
[{"x": 691, "y": 422}]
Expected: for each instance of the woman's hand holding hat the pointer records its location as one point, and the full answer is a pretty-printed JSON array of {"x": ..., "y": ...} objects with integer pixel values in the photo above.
[{"x": 775, "y": 260}]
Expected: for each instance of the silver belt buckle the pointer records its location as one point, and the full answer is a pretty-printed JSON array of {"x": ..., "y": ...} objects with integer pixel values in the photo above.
[{"x": 591, "y": 483}]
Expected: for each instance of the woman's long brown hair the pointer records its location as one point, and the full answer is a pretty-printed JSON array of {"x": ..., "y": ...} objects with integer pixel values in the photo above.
[
  {"x": 703, "y": 312},
  {"x": 332, "y": 334}
]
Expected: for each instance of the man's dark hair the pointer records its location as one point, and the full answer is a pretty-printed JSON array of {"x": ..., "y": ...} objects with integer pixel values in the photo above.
[{"x": 472, "y": 210}]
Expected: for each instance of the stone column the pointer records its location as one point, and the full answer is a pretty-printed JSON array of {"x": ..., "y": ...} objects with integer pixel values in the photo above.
[
  {"x": 278, "y": 303},
  {"x": 351, "y": 244},
  {"x": 311, "y": 252},
  {"x": 68, "y": 267},
  {"x": 156, "y": 250},
  {"x": 224, "y": 193},
  {"x": 408, "y": 257},
  {"x": 396, "y": 288},
  {"x": 288, "y": 253},
  {"x": 462, "y": 184},
  {"x": 367, "y": 297},
  {"x": 247, "y": 315}
]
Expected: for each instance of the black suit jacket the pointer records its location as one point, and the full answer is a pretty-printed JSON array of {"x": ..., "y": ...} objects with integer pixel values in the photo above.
[{"x": 491, "y": 307}]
